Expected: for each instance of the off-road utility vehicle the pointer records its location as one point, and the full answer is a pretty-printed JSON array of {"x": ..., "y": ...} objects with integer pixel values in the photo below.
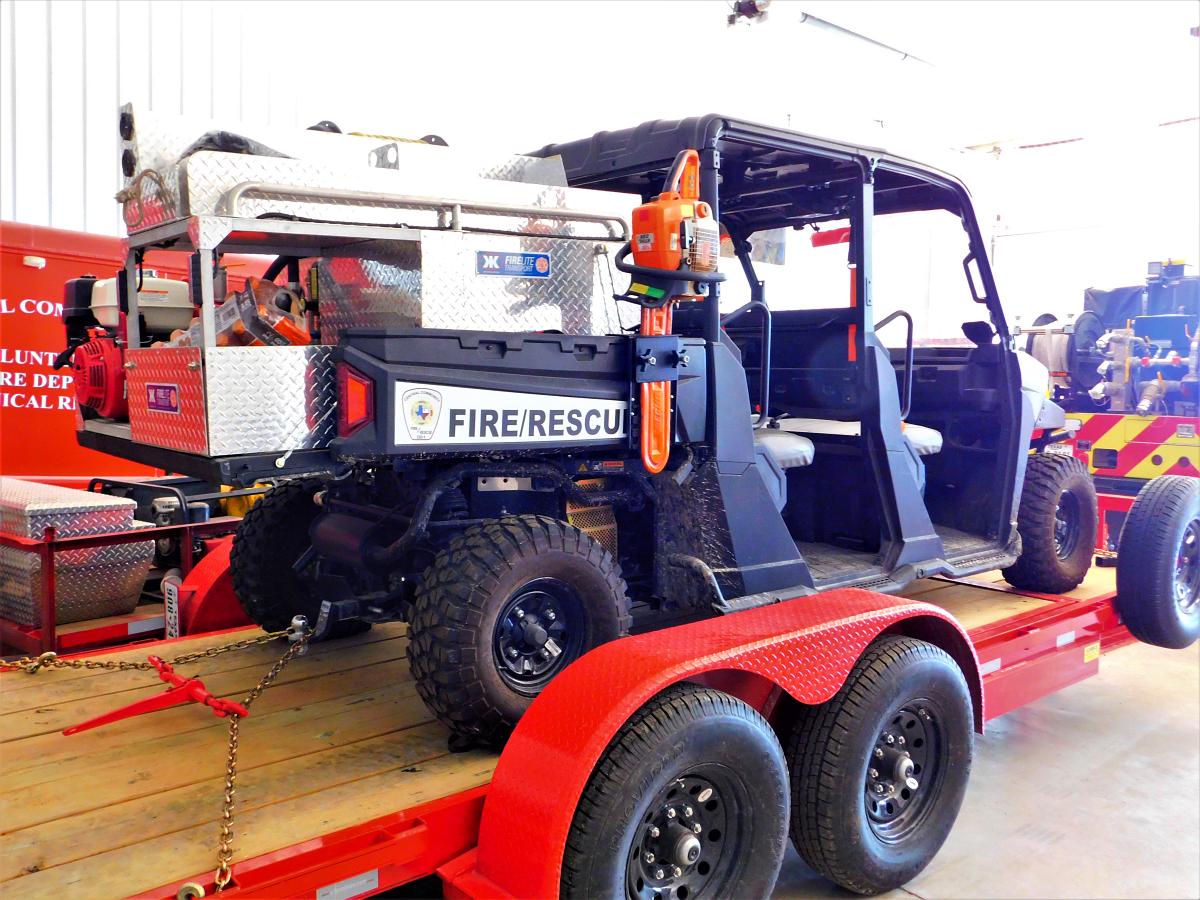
[
  {"x": 520, "y": 494},
  {"x": 495, "y": 497}
]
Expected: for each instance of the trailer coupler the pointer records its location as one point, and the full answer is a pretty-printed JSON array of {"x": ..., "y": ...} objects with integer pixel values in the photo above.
[{"x": 184, "y": 689}]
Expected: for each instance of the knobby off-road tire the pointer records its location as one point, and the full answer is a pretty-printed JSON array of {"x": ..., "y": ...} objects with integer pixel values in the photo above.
[
  {"x": 1158, "y": 563},
  {"x": 268, "y": 541},
  {"x": 689, "y": 800},
  {"x": 501, "y": 611},
  {"x": 843, "y": 825},
  {"x": 1057, "y": 524}
]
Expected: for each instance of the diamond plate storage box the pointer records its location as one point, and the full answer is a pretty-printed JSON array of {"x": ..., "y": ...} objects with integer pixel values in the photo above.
[
  {"x": 91, "y": 582},
  {"x": 231, "y": 400}
]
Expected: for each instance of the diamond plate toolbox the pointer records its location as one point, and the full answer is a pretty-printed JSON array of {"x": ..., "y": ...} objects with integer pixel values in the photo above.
[
  {"x": 232, "y": 400},
  {"x": 165, "y": 387},
  {"x": 90, "y": 582},
  {"x": 178, "y": 167}
]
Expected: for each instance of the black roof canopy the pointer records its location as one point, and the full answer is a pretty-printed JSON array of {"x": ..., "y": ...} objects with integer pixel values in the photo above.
[{"x": 770, "y": 177}]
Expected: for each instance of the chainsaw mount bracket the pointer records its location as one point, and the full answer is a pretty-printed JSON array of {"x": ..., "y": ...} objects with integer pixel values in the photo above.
[{"x": 659, "y": 358}]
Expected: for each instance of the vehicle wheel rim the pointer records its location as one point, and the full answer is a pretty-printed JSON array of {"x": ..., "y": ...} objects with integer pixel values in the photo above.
[
  {"x": 1187, "y": 570},
  {"x": 539, "y": 630},
  {"x": 1067, "y": 525},
  {"x": 683, "y": 846},
  {"x": 905, "y": 771}
]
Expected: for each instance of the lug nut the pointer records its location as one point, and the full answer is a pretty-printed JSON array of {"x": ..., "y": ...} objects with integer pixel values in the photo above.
[
  {"x": 890, "y": 739},
  {"x": 512, "y": 652},
  {"x": 671, "y": 813},
  {"x": 519, "y": 613},
  {"x": 688, "y": 811},
  {"x": 654, "y": 832},
  {"x": 900, "y": 740},
  {"x": 550, "y": 614},
  {"x": 677, "y": 871},
  {"x": 697, "y": 828},
  {"x": 878, "y": 753},
  {"x": 874, "y": 773},
  {"x": 649, "y": 858},
  {"x": 659, "y": 874},
  {"x": 879, "y": 788}
]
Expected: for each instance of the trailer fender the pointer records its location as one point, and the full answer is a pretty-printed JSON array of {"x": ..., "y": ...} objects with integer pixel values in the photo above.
[
  {"x": 206, "y": 598},
  {"x": 806, "y": 647}
]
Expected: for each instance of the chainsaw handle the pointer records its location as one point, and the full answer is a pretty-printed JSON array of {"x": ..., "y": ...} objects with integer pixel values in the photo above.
[
  {"x": 684, "y": 176},
  {"x": 647, "y": 272}
]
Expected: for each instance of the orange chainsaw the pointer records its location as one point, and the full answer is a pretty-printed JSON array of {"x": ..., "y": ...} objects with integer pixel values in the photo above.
[{"x": 676, "y": 247}]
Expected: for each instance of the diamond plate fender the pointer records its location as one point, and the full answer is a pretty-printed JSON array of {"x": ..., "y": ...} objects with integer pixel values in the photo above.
[{"x": 806, "y": 646}]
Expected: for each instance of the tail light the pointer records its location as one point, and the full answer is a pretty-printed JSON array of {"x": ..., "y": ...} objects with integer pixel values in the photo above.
[{"x": 356, "y": 400}]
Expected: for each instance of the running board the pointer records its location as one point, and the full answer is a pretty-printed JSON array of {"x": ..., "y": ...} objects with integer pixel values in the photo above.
[{"x": 766, "y": 598}]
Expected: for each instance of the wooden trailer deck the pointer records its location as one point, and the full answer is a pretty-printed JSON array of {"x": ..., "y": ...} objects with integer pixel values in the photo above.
[
  {"x": 986, "y": 599},
  {"x": 340, "y": 739}
]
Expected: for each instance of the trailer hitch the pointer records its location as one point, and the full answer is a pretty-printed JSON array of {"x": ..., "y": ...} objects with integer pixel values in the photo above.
[{"x": 184, "y": 689}]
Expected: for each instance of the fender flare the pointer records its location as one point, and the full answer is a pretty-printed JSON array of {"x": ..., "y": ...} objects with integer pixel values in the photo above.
[{"x": 806, "y": 647}]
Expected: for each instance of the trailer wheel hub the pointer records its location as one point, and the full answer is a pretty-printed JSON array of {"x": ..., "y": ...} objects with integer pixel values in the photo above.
[
  {"x": 1187, "y": 570},
  {"x": 903, "y": 771},
  {"x": 679, "y": 846}
]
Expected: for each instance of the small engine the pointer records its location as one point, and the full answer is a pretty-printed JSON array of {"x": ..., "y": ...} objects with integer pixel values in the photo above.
[
  {"x": 100, "y": 375},
  {"x": 94, "y": 316},
  {"x": 94, "y": 354}
]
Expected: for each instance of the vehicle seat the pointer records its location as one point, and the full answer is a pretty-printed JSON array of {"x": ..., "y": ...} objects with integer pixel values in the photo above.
[
  {"x": 926, "y": 441},
  {"x": 775, "y": 452},
  {"x": 790, "y": 450}
]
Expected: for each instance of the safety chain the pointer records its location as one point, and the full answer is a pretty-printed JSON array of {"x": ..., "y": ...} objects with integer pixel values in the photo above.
[
  {"x": 225, "y": 843},
  {"x": 298, "y": 636},
  {"x": 50, "y": 659}
]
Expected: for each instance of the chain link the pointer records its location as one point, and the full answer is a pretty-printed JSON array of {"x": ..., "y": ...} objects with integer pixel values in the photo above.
[
  {"x": 51, "y": 660},
  {"x": 298, "y": 635},
  {"x": 225, "y": 842}
]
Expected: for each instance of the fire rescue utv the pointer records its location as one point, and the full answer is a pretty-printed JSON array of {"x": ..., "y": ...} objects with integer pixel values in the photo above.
[
  {"x": 496, "y": 411},
  {"x": 492, "y": 492}
]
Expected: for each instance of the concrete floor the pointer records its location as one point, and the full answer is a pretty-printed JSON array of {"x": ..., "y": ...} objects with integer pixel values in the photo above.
[{"x": 1092, "y": 792}]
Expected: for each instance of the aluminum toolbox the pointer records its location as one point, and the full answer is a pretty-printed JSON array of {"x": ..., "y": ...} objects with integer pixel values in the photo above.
[
  {"x": 223, "y": 401},
  {"x": 181, "y": 167},
  {"x": 91, "y": 582},
  {"x": 403, "y": 235}
]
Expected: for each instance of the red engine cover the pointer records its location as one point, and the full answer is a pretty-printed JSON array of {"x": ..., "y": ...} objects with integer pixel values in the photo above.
[{"x": 100, "y": 377}]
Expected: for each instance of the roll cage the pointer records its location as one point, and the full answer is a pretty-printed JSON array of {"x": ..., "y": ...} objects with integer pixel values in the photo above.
[{"x": 758, "y": 177}]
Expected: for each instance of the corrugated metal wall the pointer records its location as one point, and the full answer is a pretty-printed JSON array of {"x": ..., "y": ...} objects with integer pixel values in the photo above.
[{"x": 58, "y": 135}]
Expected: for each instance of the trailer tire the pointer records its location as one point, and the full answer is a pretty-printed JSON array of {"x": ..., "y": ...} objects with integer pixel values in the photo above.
[
  {"x": 1057, "y": 523},
  {"x": 268, "y": 541},
  {"x": 1158, "y": 563},
  {"x": 464, "y": 624},
  {"x": 690, "y": 747},
  {"x": 864, "y": 841}
]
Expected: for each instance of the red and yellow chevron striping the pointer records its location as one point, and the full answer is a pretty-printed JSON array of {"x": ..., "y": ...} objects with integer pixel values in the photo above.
[{"x": 1138, "y": 447}]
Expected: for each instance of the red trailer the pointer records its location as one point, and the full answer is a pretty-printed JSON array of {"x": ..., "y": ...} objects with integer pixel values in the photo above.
[{"x": 347, "y": 788}]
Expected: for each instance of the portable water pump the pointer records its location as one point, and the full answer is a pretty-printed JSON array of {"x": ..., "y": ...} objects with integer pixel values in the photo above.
[
  {"x": 98, "y": 364},
  {"x": 94, "y": 354}
]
